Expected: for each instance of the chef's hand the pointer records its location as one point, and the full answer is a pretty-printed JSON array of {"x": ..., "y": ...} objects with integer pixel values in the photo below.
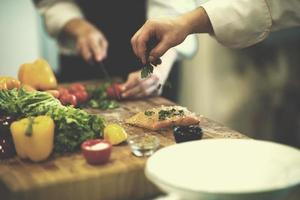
[
  {"x": 168, "y": 33},
  {"x": 136, "y": 87},
  {"x": 90, "y": 42}
]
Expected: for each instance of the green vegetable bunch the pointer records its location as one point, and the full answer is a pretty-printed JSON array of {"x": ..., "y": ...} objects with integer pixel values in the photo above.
[
  {"x": 73, "y": 126},
  {"x": 99, "y": 98}
]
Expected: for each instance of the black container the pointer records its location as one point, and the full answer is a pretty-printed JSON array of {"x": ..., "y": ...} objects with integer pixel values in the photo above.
[
  {"x": 187, "y": 133},
  {"x": 7, "y": 148}
]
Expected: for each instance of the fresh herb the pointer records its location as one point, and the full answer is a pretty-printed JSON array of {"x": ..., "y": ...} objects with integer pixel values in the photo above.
[
  {"x": 164, "y": 114},
  {"x": 149, "y": 113},
  {"x": 99, "y": 98},
  {"x": 147, "y": 70},
  {"x": 72, "y": 126}
]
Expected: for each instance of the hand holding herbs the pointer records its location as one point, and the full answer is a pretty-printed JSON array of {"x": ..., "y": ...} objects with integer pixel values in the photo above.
[{"x": 148, "y": 68}]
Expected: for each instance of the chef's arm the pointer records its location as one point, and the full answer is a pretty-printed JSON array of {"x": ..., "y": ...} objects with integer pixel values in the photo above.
[
  {"x": 234, "y": 23},
  {"x": 242, "y": 23},
  {"x": 65, "y": 21},
  {"x": 57, "y": 13}
]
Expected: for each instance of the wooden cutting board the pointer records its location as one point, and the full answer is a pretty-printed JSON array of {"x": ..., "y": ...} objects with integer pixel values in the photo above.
[{"x": 69, "y": 177}]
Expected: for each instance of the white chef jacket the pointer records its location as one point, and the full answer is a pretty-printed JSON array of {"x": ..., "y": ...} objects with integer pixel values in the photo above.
[
  {"x": 57, "y": 13},
  {"x": 242, "y": 23},
  {"x": 236, "y": 23},
  {"x": 239, "y": 23}
]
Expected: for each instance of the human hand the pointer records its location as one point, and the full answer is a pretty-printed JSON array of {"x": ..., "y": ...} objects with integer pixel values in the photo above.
[
  {"x": 168, "y": 33},
  {"x": 136, "y": 87},
  {"x": 90, "y": 42}
]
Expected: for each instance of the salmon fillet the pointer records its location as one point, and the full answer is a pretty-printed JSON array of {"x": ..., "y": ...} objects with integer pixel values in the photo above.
[{"x": 163, "y": 117}]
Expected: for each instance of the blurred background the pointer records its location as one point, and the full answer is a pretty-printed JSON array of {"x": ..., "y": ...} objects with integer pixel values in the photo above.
[{"x": 255, "y": 90}]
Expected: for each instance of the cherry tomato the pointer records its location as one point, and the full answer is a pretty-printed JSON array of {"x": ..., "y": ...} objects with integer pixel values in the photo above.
[
  {"x": 82, "y": 96},
  {"x": 63, "y": 91},
  {"x": 73, "y": 100},
  {"x": 76, "y": 87},
  {"x": 68, "y": 99},
  {"x": 114, "y": 91}
]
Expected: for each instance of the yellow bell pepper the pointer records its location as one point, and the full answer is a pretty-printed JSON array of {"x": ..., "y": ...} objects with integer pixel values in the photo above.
[
  {"x": 33, "y": 137},
  {"x": 38, "y": 75},
  {"x": 8, "y": 83}
]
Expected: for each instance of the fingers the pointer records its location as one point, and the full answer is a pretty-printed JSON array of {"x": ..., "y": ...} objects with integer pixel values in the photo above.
[
  {"x": 84, "y": 50},
  {"x": 132, "y": 81},
  {"x": 159, "y": 50},
  {"x": 140, "y": 39},
  {"x": 99, "y": 48},
  {"x": 152, "y": 90},
  {"x": 93, "y": 45},
  {"x": 145, "y": 87}
]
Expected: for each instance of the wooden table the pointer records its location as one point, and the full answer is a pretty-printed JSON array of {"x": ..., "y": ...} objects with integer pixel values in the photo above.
[{"x": 69, "y": 177}]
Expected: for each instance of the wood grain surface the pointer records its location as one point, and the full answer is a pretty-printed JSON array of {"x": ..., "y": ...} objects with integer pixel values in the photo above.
[{"x": 69, "y": 177}]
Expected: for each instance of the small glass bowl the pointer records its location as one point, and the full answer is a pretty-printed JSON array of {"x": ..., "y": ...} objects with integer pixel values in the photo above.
[{"x": 143, "y": 145}]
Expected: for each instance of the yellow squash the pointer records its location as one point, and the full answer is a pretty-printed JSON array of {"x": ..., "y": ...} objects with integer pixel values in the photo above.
[
  {"x": 38, "y": 75},
  {"x": 8, "y": 83},
  {"x": 33, "y": 137}
]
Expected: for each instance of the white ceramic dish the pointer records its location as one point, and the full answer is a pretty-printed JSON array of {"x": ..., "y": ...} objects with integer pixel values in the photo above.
[{"x": 226, "y": 169}]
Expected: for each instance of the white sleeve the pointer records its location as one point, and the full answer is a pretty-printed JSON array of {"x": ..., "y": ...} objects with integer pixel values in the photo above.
[
  {"x": 285, "y": 13},
  {"x": 163, "y": 8},
  {"x": 242, "y": 23},
  {"x": 57, "y": 13}
]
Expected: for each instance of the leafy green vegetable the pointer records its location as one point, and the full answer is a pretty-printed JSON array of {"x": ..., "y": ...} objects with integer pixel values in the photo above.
[
  {"x": 72, "y": 126},
  {"x": 99, "y": 99},
  {"x": 147, "y": 70}
]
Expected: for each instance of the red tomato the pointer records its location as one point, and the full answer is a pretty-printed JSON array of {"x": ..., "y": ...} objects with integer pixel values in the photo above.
[
  {"x": 76, "y": 87},
  {"x": 114, "y": 91},
  {"x": 68, "y": 99},
  {"x": 63, "y": 91},
  {"x": 82, "y": 96}
]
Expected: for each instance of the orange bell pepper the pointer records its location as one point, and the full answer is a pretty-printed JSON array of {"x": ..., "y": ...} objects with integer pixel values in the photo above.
[
  {"x": 8, "y": 83},
  {"x": 38, "y": 75}
]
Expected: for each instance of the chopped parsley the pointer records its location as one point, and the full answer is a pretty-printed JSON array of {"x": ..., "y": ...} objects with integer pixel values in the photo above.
[
  {"x": 147, "y": 70},
  {"x": 164, "y": 114}
]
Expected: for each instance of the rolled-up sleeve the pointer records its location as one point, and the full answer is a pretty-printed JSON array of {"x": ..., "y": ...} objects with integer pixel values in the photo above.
[
  {"x": 242, "y": 23},
  {"x": 57, "y": 13},
  {"x": 163, "y": 8}
]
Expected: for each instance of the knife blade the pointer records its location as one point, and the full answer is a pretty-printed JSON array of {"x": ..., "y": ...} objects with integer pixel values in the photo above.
[{"x": 107, "y": 77}]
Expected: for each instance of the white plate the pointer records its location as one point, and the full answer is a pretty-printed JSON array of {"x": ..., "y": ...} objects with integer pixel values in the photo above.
[{"x": 226, "y": 169}]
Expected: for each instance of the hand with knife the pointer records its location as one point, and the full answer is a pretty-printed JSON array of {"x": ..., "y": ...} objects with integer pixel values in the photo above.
[{"x": 90, "y": 41}]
